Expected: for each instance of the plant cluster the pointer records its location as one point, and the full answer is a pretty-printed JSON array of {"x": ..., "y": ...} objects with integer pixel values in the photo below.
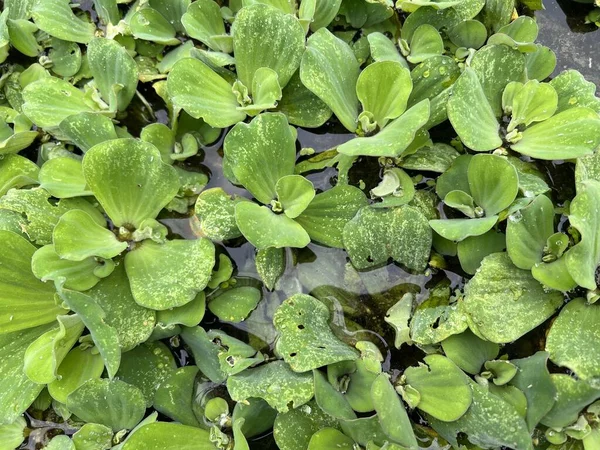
[{"x": 447, "y": 101}]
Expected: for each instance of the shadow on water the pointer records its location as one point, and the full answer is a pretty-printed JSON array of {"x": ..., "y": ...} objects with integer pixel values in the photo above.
[{"x": 362, "y": 297}]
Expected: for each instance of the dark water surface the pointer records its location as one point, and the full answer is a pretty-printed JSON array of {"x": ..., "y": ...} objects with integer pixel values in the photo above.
[{"x": 326, "y": 273}]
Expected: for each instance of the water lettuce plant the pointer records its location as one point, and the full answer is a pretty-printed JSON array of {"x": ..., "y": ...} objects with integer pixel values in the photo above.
[{"x": 303, "y": 225}]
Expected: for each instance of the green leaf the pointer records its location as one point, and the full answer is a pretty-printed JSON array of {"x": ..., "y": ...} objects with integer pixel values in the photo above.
[
  {"x": 266, "y": 91},
  {"x": 12, "y": 434},
  {"x": 383, "y": 49},
  {"x": 425, "y": 43},
  {"x": 330, "y": 400},
  {"x": 175, "y": 396},
  {"x": 295, "y": 193},
  {"x": 147, "y": 366},
  {"x": 572, "y": 395},
  {"x": 114, "y": 70},
  {"x": 373, "y": 236},
  {"x": 169, "y": 436},
  {"x": 63, "y": 178},
  {"x": 292, "y": 430},
  {"x": 306, "y": 342},
  {"x": 77, "y": 237},
  {"x": 394, "y": 139},
  {"x": 51, "y": 100},
  {"x": 330, "y": 70},
  {"x": 534, "y": 102},
  {"x": 469, "y": 352},
  {"x": 25, "y": 301},
  {"x": 472, "y": 250},
  {"x": 540, "y": 63},
  {"x": 534, "y": 380},
  {"x": 78, "y": 366},
  {"x": 460, "y": 229},
  {"x": 66, "y": 57},
  {"x": 468, "y": 34},
  {"x": 56, "y": 18},
  {"x": 103, "y": 335},
  {"x": 203, "y": 21},
  {"x": 168, "y": 275},
  {"x": 325, "y": 217},
  {"x": 504, "y": 302},
  {"x": 270, "y": 265},
  {"x": 263, "y": 228},
  {"x": 391, "y": 412},
  {"x": 93, "y": 436},
  {"x": 133, "y": 323},
  {"x": 215, "y": 211},
  {"x": 116, "y": 404},
  {"x": 274, "y": 382},
  {"x": 435, "y": 158},
  {"x": 194, "y": 87},
  {"x": 575, "y": 91},
  {"x": 398, "y": 317},
  {"x": 43, "y": 357},
  {"x": 496, "y": 66},
  {"x": 490, "y": 422},
  {"x": 327, "y": 438},
  {"x": 566, "y": 135},
  {"x": 235, "y": 305},
  {"x": 527, "y": 232},
  {"x": 471, "y": 114},
  {"x": 17, "y": 391},
  {"x": 554, "y": 275},
  {"x": 573, "y": 340},
  {"x": 301, "y": 106},
  {"x": 325, "y": 12},
  {"x": 61, "y": 443},
  {"x": 150, "y": 25},
  {"x": 17, "y": 172},
  {"x": 87, "y": 129},
  {"x": 444, "y": 389},
  {"x": 267, "y": 37},
  {"x": 383, "y": 89},
  {"x": 493, "y": 183},
  {"x": 260, "y": 153},
  {"x": 583, "y": 258},
  {"x": 129, "y": 180}
]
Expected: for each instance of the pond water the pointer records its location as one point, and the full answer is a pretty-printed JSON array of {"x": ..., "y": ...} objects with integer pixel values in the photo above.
[{"x": 326, "y": 273}]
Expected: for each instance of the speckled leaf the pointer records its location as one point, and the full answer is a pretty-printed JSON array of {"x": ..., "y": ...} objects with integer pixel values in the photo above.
[
  {"x": 215, "y": 211},
  {"x": 116, "y": 404},
  {"x": 373, "y": 236},
  {"x": 572, "y": 395},
  {"x": 490, "y": 422},
  {"x": 471, "y": 114},
  {"x": 56, "y": 18},
  {"x": 168, "y": 275},
  {"x": 274, "y": 382},
  {"x": 17, "y": 172},
  {"x": 43, "y": 357},
  {"x": 267, "y": 37},
  {"x": 306, "y": 342},
  {"x": 163, "y": 436},
  {"x": 329, "y": 212},
  {"x": 444, "y": 388},
  {"x": 527, "y": 231},
  {"x": 78, "y": 366},
  {"x": 77, "y": 237},
  {"x": 235, "y": 305},
  {"x": 25, "y": 301},
  {"x": 47, "y": 102},
  {"x": 574, "y": 91},
  {"x": 263, "y": 228},
  {"x": 501, "y": 290},
  {"x": 260, "y": 153},
  {"x": 114, "y": 70},
  {"x": 468, "y": 351},
  {"x": 129, "y": 180},
  {"x": 17, "y": 392},
  {"x": 93, "y": 436},
  {"x": 132, "y": 322},
  {"x": 383, "y": 89},
  {"x": 87, "y": 129},
  {"x": 566, "y": 135},
  {"x": 435, "y": 158},
  {"x": 63, "y": 178},
  {"x": 394, "y": 139},
  {"x": 330, "y": 70},
  {"x": 583, "y": 258},
  {"x": 460, "y": 229},
  {"x": 270, "y": 265},
  {"x": 39, "y": 216},
  {"x": 496, "y": 66},
  {"x": 573, "y": 340},
  {"x": 194, "y": 87},
  {"x": 146, "y": 367},
  {"x": 203, "y": 21},
  {"x": 392, "y": 413}
]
